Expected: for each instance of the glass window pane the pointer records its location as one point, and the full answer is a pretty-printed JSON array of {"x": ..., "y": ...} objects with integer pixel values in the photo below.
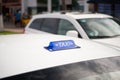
[
  {"x": 50, "y": 25},
  {"x": 100, "y": 27},
  {"x": 36, "y": 24},
  {"x": 65, "y": 26}
]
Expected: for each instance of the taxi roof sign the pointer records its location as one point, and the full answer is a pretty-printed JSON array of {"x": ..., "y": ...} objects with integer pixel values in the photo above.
[{"x": 61, "y": 45}]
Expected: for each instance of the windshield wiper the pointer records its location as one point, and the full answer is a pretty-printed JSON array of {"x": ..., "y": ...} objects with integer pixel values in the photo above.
[
  {"x": 116, "y": 35},
  {"x": 99, "y": 37}
]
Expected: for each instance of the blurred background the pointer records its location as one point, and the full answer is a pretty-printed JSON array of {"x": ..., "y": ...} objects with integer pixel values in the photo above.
[{"x": 27, "y": 8}]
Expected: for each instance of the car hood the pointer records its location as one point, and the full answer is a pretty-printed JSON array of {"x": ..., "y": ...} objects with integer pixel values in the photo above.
[
  {"x": 115, "y": 42},
  {"x": 26, "y": 52}
]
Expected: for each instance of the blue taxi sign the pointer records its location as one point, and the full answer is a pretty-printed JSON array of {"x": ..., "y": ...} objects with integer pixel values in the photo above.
[{"x": 61, "y": 45}]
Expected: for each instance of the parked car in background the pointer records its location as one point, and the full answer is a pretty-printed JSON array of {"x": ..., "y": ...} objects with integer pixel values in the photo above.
[
  {"x": 53, "y": 57},
  {"x": 98, "y": 27}
]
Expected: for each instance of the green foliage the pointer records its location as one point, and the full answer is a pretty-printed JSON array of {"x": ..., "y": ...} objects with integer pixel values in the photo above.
[{"x": 7, "y": 32}]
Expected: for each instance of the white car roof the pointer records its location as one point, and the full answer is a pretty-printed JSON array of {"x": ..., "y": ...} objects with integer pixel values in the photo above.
[
  {"x": 73, "y": 15},
  {"x": 25, "y": 52},
  {"x": 80, "y": 16}
]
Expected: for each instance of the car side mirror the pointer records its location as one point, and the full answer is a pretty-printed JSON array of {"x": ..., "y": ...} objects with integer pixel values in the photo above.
[{"x": 72, "y": 33}]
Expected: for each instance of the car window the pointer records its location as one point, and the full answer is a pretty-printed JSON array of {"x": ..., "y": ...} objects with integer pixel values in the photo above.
[
  {"x": 100, "y": 27},
  {"x": 98, "y": 69},
  {"x": 50, "y": 25},
  {"x": 64, "y": 26},
  {"x": 36, "y": 24}
]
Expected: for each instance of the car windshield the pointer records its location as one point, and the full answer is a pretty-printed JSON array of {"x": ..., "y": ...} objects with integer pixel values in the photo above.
[
  {"x": 100, "y": 27},
  {"x": 98, "y": 69}
]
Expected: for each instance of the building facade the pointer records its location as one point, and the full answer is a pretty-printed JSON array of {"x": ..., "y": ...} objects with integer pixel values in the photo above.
[
  {"x": 10, "y": 6},
  {"x": 111, "y": 7},
  {"x": 1, "y": 18},
  {"x": 38, "y": 6}
]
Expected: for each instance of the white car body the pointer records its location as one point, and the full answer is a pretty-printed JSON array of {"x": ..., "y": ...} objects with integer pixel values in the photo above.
[
  {"x": 72, "y": 18},
  {"x": 25, "y": 53}
]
